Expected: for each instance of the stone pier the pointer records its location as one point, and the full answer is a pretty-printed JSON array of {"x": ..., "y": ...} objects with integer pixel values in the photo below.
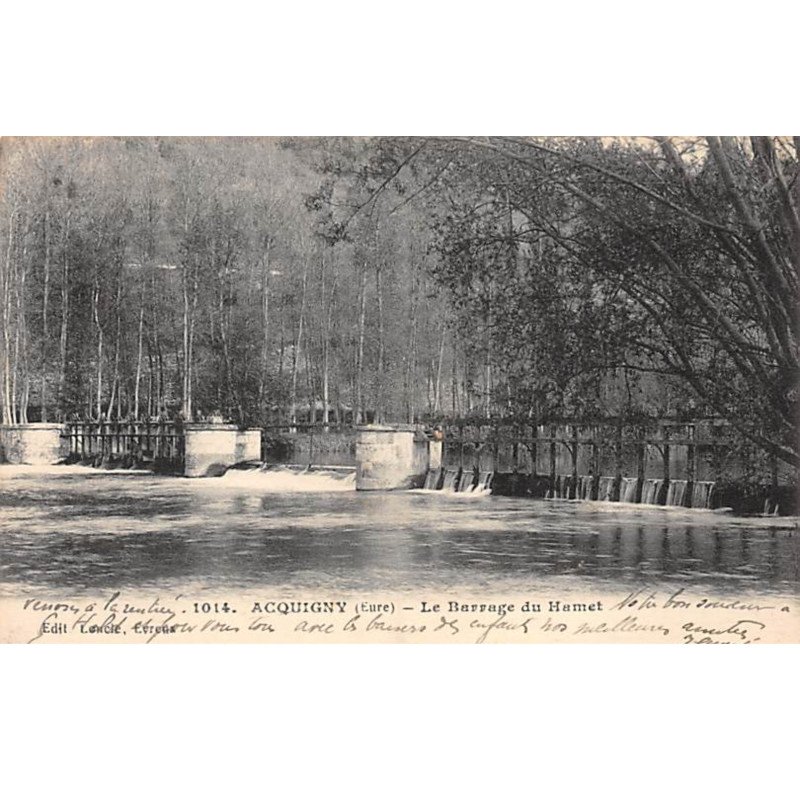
[
  {"x": 31, "y": 443},
  {"x": 210, "y": 448},
  {"x": 394, "y": 457}
]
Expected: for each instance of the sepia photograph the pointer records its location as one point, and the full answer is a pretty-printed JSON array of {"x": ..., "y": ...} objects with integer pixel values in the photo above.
[
  {"x": 391, "y": 325},
  {"x": 399, "y": 389}
]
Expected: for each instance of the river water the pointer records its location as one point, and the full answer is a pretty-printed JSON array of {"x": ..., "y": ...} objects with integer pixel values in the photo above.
[{"x": 77, "y": 531}]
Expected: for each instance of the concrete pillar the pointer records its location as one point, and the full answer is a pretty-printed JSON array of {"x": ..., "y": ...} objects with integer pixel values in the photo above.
[
  {"x": 211, "y": 448},
  {"x": 32, "y": 443},
  {"x": 393, "y": 457},
  {"x": 434, "y": 454}
]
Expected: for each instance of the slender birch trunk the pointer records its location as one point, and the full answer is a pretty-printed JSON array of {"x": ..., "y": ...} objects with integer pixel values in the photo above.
[
  {"x": 409, "y": 384},
  {"x": 139, "y": 349},
  {"x": 362, "y": 316},
  {"x": 326, "y": 350},
  {"x": 96, "y": 318},
  {"x": 437, "y": 395},
  {"x": 116, "y": 392},
  {"x": 6, "y": 319},
  {"x": 297, "y": 345},
  {"x": 45, "y": 318},
  {"x": 379, "y": 372},
  {"x": 64, "y": 334},
  {"x": 265, "y": 286}
]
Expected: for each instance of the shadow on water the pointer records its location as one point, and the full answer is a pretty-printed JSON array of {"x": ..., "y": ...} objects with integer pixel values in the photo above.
[{"x": 87, "y": 531}]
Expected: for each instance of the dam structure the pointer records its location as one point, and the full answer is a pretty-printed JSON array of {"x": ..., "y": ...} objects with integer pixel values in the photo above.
[{"x": 677, "y": 465}]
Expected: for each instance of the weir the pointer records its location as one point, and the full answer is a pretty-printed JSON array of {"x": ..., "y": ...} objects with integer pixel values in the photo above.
[
  {"x": 628, "y": 489},
  {"x": 450, "y": 480},
  {"x": 650, "y": 491},
  {"x": 701, "y": 494},
  {"x": 666, "y": 461},
  {"x": 466, "y": 482},
  {"x": 432, "y": 479},
  {"x": 564, "y": 487},
  {"x": 193, "y": 449},
  {"x": 605, "y": 487},
  {"x": 676, "y": 493},
  {"x": 387, "y": 457},
  {"x": 289, "y": 479},
  {"x": 460, "y": 481}
]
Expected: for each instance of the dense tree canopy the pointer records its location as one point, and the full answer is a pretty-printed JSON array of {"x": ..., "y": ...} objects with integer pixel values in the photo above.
[
  {"x": 397, "y": 278},
  {"x": 626, "y": 277},
  {"x": 200, "y": 277}
]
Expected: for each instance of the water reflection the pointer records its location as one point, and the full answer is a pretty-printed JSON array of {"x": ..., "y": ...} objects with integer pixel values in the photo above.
[{"x": 83, "y": 531}]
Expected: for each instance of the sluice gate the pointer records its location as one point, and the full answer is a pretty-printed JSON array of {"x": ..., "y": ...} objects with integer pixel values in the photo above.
[
  {"x": 193, "y": 449},
  {"x": 157, "y": 445},
  {"x": 457, "y": 481},
  {"x": 666, "y": 463}
]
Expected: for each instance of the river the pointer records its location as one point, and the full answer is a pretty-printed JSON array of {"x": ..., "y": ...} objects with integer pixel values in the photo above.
[{"x": 82, "y": 531}]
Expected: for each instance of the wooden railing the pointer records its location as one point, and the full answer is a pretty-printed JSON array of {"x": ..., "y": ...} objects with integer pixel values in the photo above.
[{"x": 157, "y": 443}]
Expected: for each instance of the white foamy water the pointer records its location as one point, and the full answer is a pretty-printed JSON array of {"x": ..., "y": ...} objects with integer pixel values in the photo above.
[
  {"x": 289, "y": 481},
  {"x": 451, "y": 495}
]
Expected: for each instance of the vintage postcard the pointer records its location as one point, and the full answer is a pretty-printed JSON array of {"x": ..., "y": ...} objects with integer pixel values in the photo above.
[{"x": 399, "y": 390}]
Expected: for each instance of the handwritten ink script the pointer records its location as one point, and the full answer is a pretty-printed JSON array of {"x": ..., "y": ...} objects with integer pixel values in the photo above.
[{"x": 640, "y": 615}]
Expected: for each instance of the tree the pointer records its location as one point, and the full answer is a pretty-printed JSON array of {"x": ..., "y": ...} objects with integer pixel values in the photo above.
[{"x": 588, "y": 261}]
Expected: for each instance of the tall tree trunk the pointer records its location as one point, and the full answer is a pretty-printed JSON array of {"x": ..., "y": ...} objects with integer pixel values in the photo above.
[
  {"x": 22, "y": 348},
  {"x": 186, "y": 405},
  {"x": 139, "y": 348},
  {"x": 409, "y": 382},
  {"x": 488, "y": 383},
  {"x": 310, "y": 385},
  {"x": 282, "y": 352},
  {"x": 298, "y": 342},
  {"x": 190, "y": 296},
  {"x": 379, "y": 409},
  {"x": 63, "y": 338},
  {"x": 190, "y": 363},
  {"x": 17, "y": 332},
  {"x": 265, "y": 285},
  {"x": 150, "y": 376},
  {"x": 96, "y": 318},
  {"x": 362, "y": 316},
  {"x": 45, "y": 318},
  {"x": 6, "y": 320},
  {"x": 116, "y": 392},
  {"x": 437, "y": 396},
  {"x": 159, "y": 356},
  {"x": 326, "y": 350},
  {"x": 455, "y": 404}
]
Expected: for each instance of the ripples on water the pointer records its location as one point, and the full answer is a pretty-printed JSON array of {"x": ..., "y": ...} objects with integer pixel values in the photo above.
[{"x": 83, "y": 530}]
